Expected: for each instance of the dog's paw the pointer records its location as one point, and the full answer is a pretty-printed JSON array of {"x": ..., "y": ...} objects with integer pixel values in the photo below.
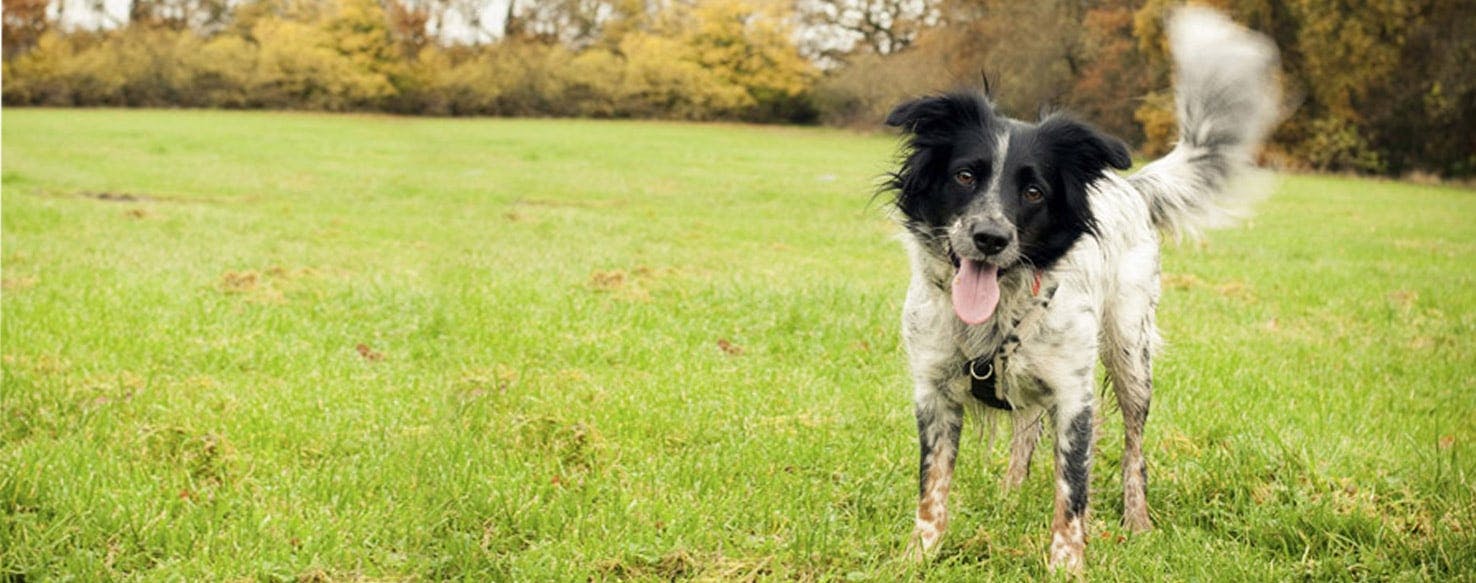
[
  {"x": 1137, "y": 523},
  {"x": 921, "y": 546},
  {"x": 914, "y": 553},
  {"x": 1067, "y": 563},
  {"x": 1067, "y": 556}
]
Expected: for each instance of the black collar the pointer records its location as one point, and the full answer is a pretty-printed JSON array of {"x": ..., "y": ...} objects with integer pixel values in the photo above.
[{"x": 983, "y": 386}]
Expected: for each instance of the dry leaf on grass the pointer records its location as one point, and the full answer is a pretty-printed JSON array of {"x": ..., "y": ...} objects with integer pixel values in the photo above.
[
  {"x": 729, "y": 347},
  {"x": 369, "y": 354}
]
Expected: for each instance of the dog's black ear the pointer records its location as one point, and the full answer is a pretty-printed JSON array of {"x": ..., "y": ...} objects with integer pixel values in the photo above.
[
  {"x": 1114, "y": 151},
  {"x": 1081, "y": 148},
  {"x": 1078, "y": 155},
  {"x": 938, "y": 112},
  {"x": 912, "y": 114}
]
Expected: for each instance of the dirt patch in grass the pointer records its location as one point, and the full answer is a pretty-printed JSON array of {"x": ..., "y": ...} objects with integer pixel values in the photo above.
[
  {"x": 321, "y": 575},
  {"x": 607, "y": 280},
  {"x": 42, "y": 365},
  {"x": 18, "y": 283},
  {"x": 103, "y": 390},
  {"x": 368, "y": 353},
  {"x": 115, "y": 196},
  {"x": 236, "y": 282},
  {"x": 272, "y": 285},
  {"x": 207, "y": 456},
  {"x": 1231, "y": 289},
  {"x": 681, "y": 564},
  {"x": 633, "y": 285},
  {"x": 671, "y": 566},
  {"x": 1405, "y": 299},
  {"x": 133, "y": 197},
  {"x": 1181, "y": 281},
  {"x": 1236, "y": 289},
  {"x": 619, "y": 284},
  {"x": 577, "y": 445},
  {"x": 729, "y": 348},
  {"x": 583, "y": 204},
  {"x": 478, "y": 383}
]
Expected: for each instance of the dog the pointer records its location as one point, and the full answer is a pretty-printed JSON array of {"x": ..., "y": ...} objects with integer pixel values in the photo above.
[{"x": 1031, "y": 258}]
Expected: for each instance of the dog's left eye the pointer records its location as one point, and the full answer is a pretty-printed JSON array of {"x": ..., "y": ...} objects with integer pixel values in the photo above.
[
  {"x": 1033, "y": 194},
  {"x": 964, "y": 177}
]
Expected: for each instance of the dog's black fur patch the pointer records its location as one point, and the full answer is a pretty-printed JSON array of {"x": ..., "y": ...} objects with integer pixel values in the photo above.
[{"x": 1078, "y": 461}]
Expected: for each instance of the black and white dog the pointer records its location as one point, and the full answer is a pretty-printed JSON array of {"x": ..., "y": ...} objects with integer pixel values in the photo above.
[{"x": 1031, "y": 258}]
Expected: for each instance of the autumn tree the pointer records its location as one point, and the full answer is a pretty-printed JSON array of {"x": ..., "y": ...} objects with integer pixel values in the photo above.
[
  {"x": 575, "y": 23},
  {"x": 198, "y": 15},
  {"x": 409, "y": 26},
  {"x": 1426, "y": 117},
  {"x": 750, "y": 48},
  {"x": 24, "y": 23},
  {"x": 1110, "y": 73}
]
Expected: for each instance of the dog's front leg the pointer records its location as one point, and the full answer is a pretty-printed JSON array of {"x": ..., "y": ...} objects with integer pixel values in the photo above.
[
  {"x": 930, "y": 331},
  {"x": 1074, "y": 435},
  {"x": 939, "y": 421}
]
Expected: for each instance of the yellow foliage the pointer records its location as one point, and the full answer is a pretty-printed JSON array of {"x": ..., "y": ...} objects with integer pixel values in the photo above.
[
  {"x": 750, "y": 48},
  {"x": 1349, "y": 55},
  {"x": 222, "y": 71},
  {"x": 1160, "y": 128},
  {"x": 1334, "y": 143},
  {"x": 719, "y": 60},
  {"x": 36, "y": 77},
  {"x": 298, "y": 64},
  {"x": 661, "y": 73}
]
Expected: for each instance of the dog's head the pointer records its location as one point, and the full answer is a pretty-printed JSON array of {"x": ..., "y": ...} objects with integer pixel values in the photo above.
[{"x": 996, "y": 192}]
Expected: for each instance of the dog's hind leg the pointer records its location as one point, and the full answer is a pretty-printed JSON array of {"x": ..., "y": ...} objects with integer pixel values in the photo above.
[
  {"x": 1024, "y": 434},
  {"x": 939, "y": 421},
  {"x": 1132, "y": 381},
  {"x": 1129, "y": 358}
]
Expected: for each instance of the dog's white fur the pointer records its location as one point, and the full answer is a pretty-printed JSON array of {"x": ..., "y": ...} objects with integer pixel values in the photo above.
[{"x": 1099, "y": 300}]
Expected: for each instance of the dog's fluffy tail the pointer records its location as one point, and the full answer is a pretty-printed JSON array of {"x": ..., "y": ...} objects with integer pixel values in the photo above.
[{"x": 1227, "y": 102}]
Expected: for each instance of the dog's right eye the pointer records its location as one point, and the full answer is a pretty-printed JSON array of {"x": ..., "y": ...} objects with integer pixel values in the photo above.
[{"x": 964, "y": 177}]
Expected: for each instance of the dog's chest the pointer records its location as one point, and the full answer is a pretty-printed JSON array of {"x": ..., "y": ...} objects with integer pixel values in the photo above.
[{"x": 1019, "y": 319}]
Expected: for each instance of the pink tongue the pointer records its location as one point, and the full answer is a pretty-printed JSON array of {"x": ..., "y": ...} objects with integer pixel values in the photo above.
[{"x": 975, "y": 291}]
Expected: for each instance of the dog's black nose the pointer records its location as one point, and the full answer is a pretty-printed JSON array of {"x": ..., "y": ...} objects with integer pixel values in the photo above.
[{"x": 990, "y": 239}]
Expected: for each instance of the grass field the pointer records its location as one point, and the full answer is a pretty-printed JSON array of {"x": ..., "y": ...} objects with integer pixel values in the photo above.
[{"x": 279, "y": 346}]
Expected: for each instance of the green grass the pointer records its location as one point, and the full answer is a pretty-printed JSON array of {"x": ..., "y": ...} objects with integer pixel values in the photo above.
[{"x": 543, "y": 390}]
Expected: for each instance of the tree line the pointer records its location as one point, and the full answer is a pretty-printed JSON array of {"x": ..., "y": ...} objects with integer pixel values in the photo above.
[{"x": 1374, "y": 86}]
